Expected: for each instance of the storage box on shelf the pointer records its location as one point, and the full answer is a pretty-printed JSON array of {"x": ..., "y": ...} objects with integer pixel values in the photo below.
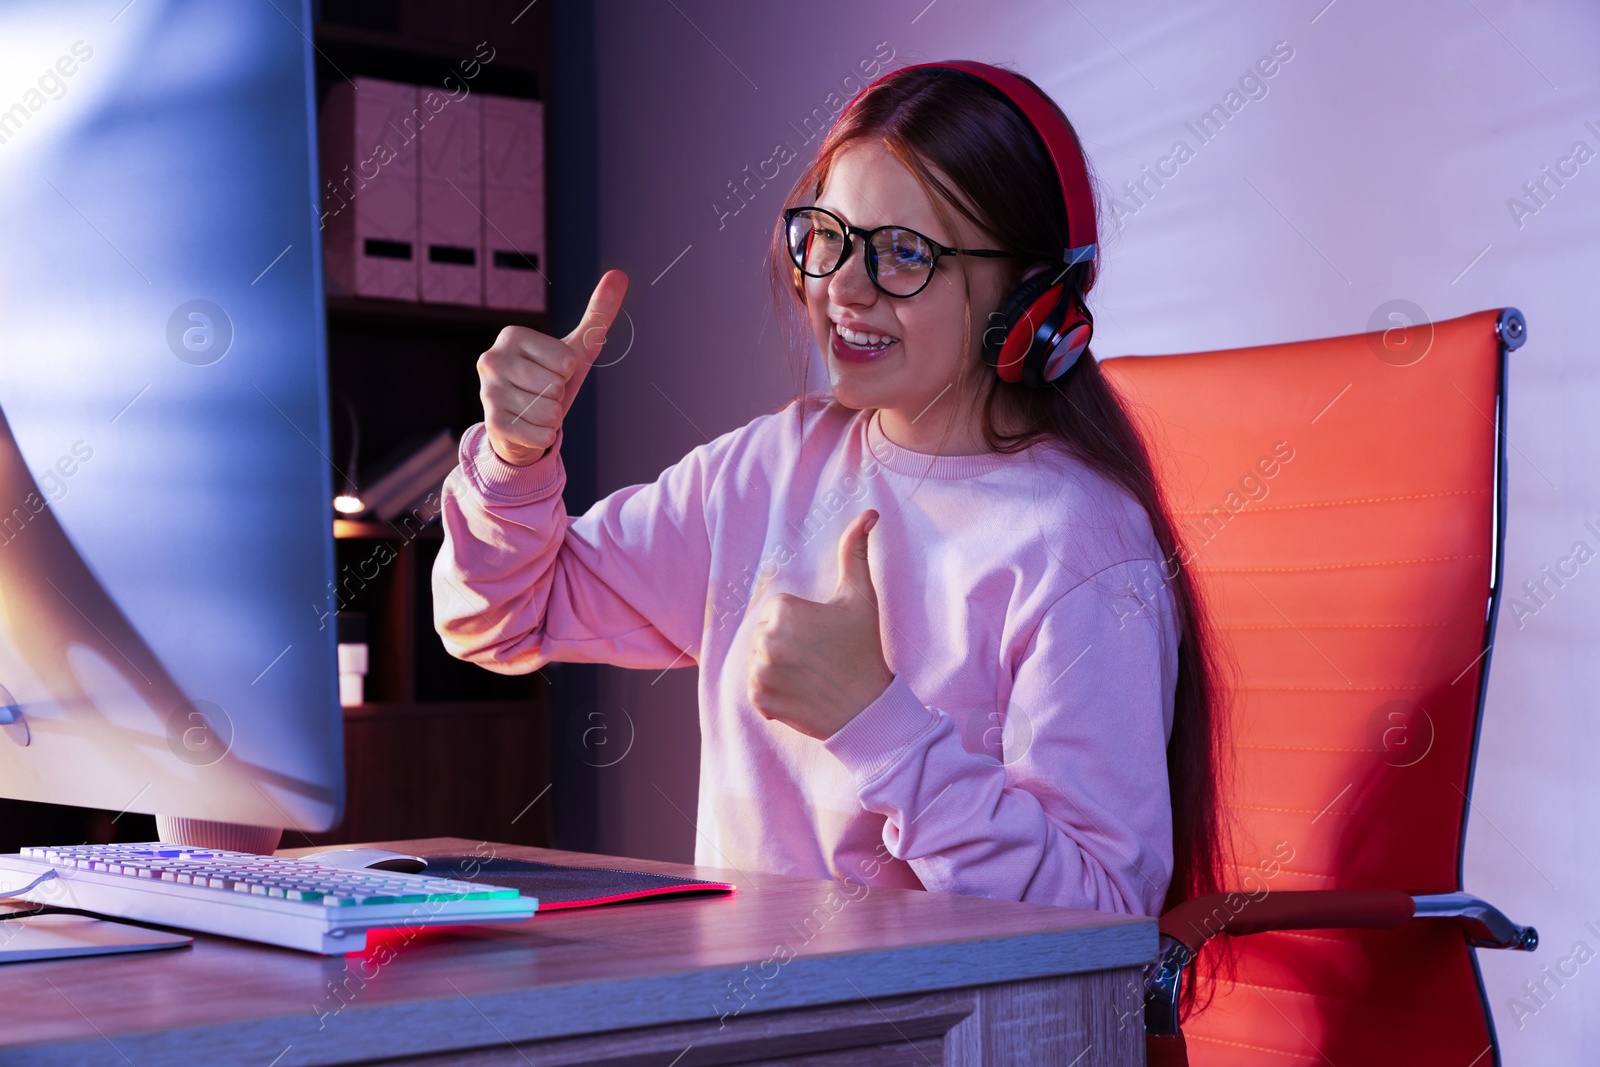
[{"x": 432, "y": 168}]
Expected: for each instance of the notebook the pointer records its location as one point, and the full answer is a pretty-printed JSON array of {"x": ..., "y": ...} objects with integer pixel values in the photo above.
[{"x": 558, "y": 886}]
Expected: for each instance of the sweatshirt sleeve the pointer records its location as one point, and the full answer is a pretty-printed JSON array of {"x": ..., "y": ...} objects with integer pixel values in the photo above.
[
  {"x": 1076, "y": 810},
  {"x": 519, "y": 583}
]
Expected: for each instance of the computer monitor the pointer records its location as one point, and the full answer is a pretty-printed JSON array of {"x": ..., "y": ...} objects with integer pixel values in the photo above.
[{"x": 167, "y": 638}]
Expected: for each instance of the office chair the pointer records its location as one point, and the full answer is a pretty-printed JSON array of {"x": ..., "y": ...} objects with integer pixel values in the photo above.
[{"x": 1344, "y": 503}]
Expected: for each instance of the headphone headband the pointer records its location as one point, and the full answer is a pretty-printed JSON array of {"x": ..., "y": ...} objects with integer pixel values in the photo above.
[{"x": 1058, "y": 142}]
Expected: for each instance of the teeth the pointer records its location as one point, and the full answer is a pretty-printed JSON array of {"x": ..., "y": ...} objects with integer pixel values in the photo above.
[{"x": 862, "y": 339}]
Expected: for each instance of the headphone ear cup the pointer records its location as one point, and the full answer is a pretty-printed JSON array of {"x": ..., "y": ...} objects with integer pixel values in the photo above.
[
  {"x": 1009, "y": 338},
  {"x": 1076, "y": 330}
]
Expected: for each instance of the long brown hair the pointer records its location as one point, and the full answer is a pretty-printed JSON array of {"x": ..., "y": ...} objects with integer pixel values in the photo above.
[{"x": 994, "y": 160}]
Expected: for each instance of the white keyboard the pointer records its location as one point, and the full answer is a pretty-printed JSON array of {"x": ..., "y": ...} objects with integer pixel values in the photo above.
[{"x": 293, "y": 903}]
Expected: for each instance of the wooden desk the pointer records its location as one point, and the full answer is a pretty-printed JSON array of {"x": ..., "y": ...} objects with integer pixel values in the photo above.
[{"x": 784, "y": 971}]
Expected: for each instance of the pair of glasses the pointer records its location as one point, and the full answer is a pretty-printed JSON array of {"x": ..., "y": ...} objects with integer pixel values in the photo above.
[{"x": 900, "y": 261}]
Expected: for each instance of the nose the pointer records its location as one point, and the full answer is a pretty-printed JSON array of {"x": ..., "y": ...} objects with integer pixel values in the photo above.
[{"x": 850, "y": 284}]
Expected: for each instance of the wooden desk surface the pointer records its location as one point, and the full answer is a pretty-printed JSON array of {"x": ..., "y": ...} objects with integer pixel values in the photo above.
[{"x": 776, "y": 943}]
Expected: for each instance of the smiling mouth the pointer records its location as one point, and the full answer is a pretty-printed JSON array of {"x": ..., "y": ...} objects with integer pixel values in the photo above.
[{"x": 863, "y": 342}]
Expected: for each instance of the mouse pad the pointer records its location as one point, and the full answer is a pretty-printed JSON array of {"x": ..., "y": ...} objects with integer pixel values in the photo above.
[
  {"x": 53, "y": 935},
  {"x": 559, "y": 886}
]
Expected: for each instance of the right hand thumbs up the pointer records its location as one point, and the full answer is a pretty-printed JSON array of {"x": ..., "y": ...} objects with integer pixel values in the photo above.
[{"x": 528, "y": 380}]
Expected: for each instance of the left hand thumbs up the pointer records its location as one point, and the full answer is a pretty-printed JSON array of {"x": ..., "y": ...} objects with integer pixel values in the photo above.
[
  {"x": 855, "y": 570},
  {"x": 815, "y": 666}
]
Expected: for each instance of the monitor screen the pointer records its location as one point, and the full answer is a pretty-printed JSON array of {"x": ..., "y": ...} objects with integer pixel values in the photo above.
[{"x": 166, "y": 557}]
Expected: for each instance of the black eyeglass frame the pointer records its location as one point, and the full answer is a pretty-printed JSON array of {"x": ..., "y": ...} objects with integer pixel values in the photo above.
[{"x": 939, "y": 250}]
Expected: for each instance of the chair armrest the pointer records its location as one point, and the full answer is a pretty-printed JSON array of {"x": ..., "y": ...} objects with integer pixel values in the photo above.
[
  {"x": 1194, "y": 922},
  {"x": 1186, "y": 928},
  {"x": 1484, "y": 924}
]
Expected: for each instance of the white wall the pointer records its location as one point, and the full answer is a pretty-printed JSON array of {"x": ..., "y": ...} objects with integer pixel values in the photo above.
[{"x": 1377, "y": 166}]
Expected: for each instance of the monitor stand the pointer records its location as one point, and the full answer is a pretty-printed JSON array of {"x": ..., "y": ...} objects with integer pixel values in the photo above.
[{"x": 202, "y": 833}]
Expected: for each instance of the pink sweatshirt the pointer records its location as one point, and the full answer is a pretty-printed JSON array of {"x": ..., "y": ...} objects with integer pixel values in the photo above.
[{"x": 1019, "y": 752}]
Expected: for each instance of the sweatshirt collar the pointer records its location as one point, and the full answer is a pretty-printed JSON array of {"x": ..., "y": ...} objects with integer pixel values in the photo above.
[{"x": 927, "y": 465}]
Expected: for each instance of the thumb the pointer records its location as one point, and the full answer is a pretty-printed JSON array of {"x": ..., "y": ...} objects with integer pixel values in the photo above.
[
  {"x": 855, "y": 572},
  {"x": 589, "y": 335}
]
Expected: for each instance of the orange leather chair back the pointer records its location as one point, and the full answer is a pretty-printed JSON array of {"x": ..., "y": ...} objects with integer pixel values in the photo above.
[{"x": 1339, "y": 501}]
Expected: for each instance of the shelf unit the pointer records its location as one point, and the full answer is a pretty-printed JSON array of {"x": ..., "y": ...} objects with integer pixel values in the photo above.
[
  {"x": 362, "y": 312},
  {"x": 441, "y": 746}
]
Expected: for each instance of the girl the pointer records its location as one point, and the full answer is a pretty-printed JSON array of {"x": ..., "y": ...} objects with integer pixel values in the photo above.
[{"x": 941, "y": 641}]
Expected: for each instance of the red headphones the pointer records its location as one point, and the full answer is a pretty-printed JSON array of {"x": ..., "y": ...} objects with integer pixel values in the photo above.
[{"x": 1042, "y": 326}]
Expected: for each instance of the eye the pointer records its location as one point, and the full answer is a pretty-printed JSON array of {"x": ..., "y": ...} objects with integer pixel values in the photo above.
[
  {"x": 816, "y": 222},
  {"x": 906, "y": 250}
]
